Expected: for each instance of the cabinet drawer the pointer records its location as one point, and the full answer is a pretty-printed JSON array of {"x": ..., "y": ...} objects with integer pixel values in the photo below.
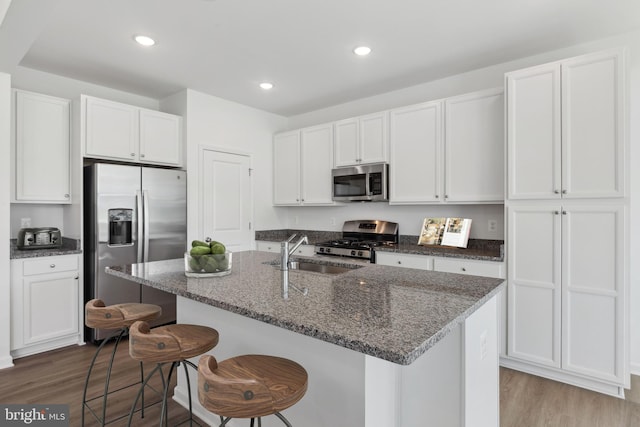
[
  {"x": 421, "y": 262},
  {"x": 47, "y": 265},
  {"x": 474, "y": 268}
]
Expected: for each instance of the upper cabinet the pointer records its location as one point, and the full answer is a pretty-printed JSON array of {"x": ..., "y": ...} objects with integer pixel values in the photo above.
[
  {"x": 361, "y": 140},
  {"x": 448, "y": 151},
  {"x": 42, "y": 149},
  {"x": 474, "y": 147},
  {"x": 302, "y": 163},
  {"x": 565, "y": 132},
  {"x": 123, "y": 132}
]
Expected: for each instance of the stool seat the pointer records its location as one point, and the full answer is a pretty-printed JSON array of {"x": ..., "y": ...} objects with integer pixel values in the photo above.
[
  {"x": 250, "y": 386},
  {"x": 116, "y": 316},
  {"x": 170, "y": 343}
]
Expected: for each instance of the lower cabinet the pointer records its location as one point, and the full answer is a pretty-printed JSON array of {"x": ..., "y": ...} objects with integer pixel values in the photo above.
[
  {"x": 420, "y": 262},
  {"x": 46, "y": 304}
]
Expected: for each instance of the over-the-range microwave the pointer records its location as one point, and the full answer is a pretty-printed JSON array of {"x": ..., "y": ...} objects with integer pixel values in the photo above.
[{"x": 367, "y": 183}]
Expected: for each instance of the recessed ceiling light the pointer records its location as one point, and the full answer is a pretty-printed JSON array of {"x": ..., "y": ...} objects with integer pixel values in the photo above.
[
  {"x": 362, "y": 50},
  {"x": 266, "y": 85},
  {"x": 145, "y": 40}
]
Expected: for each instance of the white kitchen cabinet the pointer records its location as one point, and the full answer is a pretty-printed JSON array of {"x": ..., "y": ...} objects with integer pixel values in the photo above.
[
  {"x": 567, "y": 290},
  {"x": 302, "y": 167},
  {"x": 394, "y": 259},
  {"x": 46, "y": 304},
  {"x": 124, "y": 132},
  {"x": 471, "y": 267},
  {"x": 415, "y": 153},
  {"x": 451, "y": 157},
  {"x": 474, "y": 147},
  {"x": 566, "y": 132},
  {"x": 42, "y": 149},
  {"x": 361, "y": 140}
]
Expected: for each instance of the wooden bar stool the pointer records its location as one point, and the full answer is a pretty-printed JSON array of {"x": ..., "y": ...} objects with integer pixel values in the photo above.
[
  {"x": 119, "y": 317},
  {"x": 169, "y": 344},
  {"x": 250, "y": 386}
]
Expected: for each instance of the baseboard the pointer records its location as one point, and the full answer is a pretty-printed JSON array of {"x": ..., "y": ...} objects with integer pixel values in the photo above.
[{"x": 6, "y": 362}]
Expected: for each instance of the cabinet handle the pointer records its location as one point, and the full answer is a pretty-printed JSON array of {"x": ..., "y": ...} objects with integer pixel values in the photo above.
[
  {"x": 564, "y": 191},
  {"x": 437, "y": 197},
  {"x": 303, "y": 200},
  {"x": 66, "y": 196},
  {"x": 556, "y": 192},
  {"x": 564, "y": 212},
  {"x": 141, "y": 155},
  {"x": 133, "y": 154},
  {"x": 297, "y": 200},
  {"x": 463, "y": 269},
  {"x": 77, "y": 277},
  {"x": 446, "y": 196},
  {"x": 556, "y": 212},
  {"x": 52, "y": 265},
  {"x": 399, "y": 262}
]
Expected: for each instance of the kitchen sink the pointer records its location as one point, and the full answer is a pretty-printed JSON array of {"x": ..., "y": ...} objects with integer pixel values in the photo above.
[{"x": 318, "y": 267}]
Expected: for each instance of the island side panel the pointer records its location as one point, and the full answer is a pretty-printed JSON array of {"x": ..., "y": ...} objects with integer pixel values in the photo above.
[{"x": 335, "y": 396}]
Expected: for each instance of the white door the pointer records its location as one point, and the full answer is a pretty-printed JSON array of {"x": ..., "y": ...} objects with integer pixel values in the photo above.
[
  {"x": 592, "y": 126},
  {"x": 225, "y": 198},
  {"x": 533, "y": 133},
  {"x": 534, "y": 284},
  {"x": 474, "y": 147},
  {"x": 592, "y": 291},
  {"x": 415, "y": 145}
]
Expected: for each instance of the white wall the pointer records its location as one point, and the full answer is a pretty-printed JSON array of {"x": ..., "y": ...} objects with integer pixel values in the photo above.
[
  {"x": 476, "y": 80},
  {"x": 5, "y": 140},
  {"x": 215, "y": 122}
]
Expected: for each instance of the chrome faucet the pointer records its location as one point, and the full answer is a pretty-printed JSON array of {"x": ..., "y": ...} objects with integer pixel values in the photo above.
[{"x": 285, "y": 254}]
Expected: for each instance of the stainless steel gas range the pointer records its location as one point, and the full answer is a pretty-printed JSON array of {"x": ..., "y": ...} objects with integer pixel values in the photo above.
[{"x": 360, "y": 238}]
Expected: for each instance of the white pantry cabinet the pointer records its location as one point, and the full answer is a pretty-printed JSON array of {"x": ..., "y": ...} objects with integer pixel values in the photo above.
[
  {"x": 42, "y": 149},
  {"x": 117, "y": 131},
  {"x": 567, "y": 289},
  {"x": 361, "y": 140},
  {"x": 46, "y": 304},
  {"x": 566, "y": 131},
  {"x": 302, "y": 162},
  {"x": 448, "y": 151}
]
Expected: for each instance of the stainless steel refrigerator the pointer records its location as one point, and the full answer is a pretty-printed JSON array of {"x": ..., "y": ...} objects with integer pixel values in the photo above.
[{"x": 132, "y": 214}]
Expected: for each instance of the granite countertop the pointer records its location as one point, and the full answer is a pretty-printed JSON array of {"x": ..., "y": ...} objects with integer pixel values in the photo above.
[
  {"x": 477, "y": 249},
  {"x": 69, "y": 247},
  {"x": 391, "y": 313}
]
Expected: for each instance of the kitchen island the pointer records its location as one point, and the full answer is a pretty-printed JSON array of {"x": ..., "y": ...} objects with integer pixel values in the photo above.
[{"x": 384, "y": 346}]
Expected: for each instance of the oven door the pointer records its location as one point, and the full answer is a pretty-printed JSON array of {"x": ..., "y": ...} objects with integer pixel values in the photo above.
[{"x": 360, "y": 183}]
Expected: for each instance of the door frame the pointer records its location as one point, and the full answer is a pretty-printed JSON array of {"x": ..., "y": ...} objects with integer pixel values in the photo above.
[{"x": 201, "y": 150}]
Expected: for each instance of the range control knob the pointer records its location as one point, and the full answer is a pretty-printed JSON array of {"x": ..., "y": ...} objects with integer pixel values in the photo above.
[
  {"x": 353, "y": 253},
  {"x": 359, "y": 253}
]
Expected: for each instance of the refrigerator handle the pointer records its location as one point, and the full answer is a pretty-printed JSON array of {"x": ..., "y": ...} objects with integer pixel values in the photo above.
[
  {"x": 139, "y": 225},
  {"x": 145, "y": 198}
]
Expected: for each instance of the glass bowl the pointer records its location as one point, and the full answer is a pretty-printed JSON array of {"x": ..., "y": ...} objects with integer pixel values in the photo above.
[{"x": 209, "y": 265}]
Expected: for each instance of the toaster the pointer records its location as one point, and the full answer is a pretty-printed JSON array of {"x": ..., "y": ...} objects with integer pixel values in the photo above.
[{"x": 39, "y": 238}]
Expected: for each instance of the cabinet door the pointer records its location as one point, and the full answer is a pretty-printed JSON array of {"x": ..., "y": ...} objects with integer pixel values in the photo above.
[
  {"x": 533, "y": 133},
  {"x": 347, "y": 151},
  {"x": 474, "y": 147},
  {"x": 286, "y": 168},
  {"x": 317, "y": 159},
  {"x": 415, "y": 143},
  {"x": 262, "y": 245},
  {"x": 593, "y": 311},
  {"x": 465, "y": 266},
  {"x": 593, "y": 126},
  {"x": 111, "y": 130},
  {"x": 160, "y": 138},
  {"x": 373, "y": 138},
  {"x": 42, "y": 172},
  {"x": 534, "y": 284}
]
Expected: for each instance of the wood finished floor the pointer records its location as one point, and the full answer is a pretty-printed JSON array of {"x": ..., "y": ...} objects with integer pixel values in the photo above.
[{"x": 525, "y": 400}]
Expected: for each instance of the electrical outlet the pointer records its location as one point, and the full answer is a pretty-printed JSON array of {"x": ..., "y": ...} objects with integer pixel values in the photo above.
[
  {"x": 25, "y": 222},
  {"x": 493, "y": 225}
]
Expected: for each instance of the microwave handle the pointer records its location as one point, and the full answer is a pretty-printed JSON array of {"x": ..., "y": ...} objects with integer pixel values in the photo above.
[{"x": 367, "y": 185}]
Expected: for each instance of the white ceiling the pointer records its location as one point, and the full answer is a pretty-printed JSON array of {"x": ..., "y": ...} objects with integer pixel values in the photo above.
[{"x": 226, "y": 47}]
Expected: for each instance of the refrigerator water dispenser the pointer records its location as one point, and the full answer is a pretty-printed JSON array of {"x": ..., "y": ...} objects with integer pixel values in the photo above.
[{"x": 120, "y": 227}]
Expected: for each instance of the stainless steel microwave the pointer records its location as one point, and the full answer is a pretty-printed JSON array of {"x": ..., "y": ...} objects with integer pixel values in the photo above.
[{"x": 367, "y": 183}]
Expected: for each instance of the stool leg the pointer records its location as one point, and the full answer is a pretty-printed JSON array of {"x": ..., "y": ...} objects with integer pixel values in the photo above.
[
  {"x": 284, "y": 420},
  {"x": 252, "y": 420},
  {"x": 144, "y": 384},
  {"x": 117, "y": 336},
  {"x": 165, "y": 396},
  {"x": 224, "y": 422},
  {"x": 186, "y": 373}
]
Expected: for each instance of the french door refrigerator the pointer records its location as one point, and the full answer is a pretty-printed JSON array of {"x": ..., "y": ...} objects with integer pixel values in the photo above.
[{"x": 132, "y": 214}]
